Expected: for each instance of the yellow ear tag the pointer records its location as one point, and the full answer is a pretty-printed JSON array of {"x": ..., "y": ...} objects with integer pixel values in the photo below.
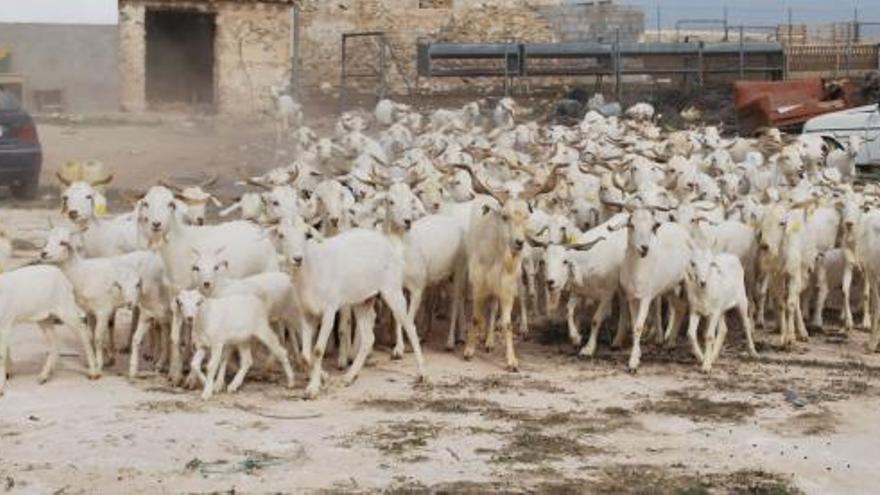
[
  {"x": 101, "y": 209},
  {"x": 569, "y": 239},
  {"x": 796, "y": 227}
]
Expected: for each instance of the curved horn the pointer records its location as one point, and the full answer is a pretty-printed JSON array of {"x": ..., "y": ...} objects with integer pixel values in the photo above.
[
  {"x": 440, "y": 153},
  {"x": 381, "y": 161},
  {"x": 210, "y": 181},
  {"x": 103, "y": 182},
  {"x": 61, "y": 179},
  {"x": 479, "y": 186},
  {"x": 537, "y": 243},
  {"x": 415, "y": 179},
  {"x": 615, "y": 204},
  {"x": 618, "y": 182},
  {"x": 368, "y": 181},
  {"x": 292, "y": 176},
  {"x": 132, "y": 198},
  {"x": 585, "y": 246},
  {"x": 702, "y": 218},
  {"x": 174, "y": 188},
  {"x": 548, "y": 186},
  {"x": 587, "y": 171},
  {"x": 379, "y": 178}
]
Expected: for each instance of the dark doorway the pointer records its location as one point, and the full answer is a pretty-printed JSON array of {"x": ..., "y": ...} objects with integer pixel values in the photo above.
[{"x": 180, "y": 58}]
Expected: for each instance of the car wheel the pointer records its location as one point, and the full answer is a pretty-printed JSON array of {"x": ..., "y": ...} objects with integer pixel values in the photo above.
[{"x": 27, "y": 188}]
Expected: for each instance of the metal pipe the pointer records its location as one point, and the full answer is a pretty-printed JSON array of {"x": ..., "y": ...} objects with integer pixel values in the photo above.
[
  {"x": 618, "y": 90},
  {"x": 342, "y": 87},
  {"x": 659, "y": 30},
  {"x": 700, "y": 75},
  {"x": 726, "y": 37},
  {"x": 742, "y": 52},
  {"x": 295, "y": 68},
  {"x": 382, "y": 48}
]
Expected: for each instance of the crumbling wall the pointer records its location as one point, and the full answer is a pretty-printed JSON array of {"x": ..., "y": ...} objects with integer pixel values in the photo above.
[
  {"x": 404, "y": 23},
  {"x": 251, "y": 52},
  {"x": 132, "y": 57}
]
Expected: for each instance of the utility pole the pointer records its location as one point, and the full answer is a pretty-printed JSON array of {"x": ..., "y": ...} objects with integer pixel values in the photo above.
[
  {"x": 659, "y": 32},
  {"x": 856, "y": 34},
  {"x": 789, "y": 25},
  {"x": 725, "y": 24}
]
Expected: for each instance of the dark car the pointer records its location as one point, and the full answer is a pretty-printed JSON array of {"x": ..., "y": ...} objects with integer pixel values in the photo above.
[{"x": 21, "y": 156}]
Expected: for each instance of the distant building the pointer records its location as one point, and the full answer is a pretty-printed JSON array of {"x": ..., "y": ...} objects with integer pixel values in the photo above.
[{"x": 61, "y": 67}]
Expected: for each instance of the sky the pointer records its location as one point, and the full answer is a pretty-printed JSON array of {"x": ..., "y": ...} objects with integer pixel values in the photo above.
[
  {"x": 753, "y": 12},
  {"x": 758, "y": 12},
  {"x": 59, "y": 11}
]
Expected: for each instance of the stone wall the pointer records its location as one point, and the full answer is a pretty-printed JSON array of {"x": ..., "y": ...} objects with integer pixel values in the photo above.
[
  {"x": 251, "y": 52},
  {"x": 405, "y": 22},
  {"x": 253, "y": 40}
]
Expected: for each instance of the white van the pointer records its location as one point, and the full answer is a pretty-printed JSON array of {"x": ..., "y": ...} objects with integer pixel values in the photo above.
[{"x": 862, "y": 121}]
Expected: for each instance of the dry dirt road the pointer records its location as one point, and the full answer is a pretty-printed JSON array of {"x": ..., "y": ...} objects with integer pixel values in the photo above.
[
  {"x": 141, "y": 151},
  {"x": 561, "y": 425},
  {"x": 805, "y": 420}
]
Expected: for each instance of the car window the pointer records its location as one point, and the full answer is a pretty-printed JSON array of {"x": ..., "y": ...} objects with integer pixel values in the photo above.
[{"x": 8, "y": 101}]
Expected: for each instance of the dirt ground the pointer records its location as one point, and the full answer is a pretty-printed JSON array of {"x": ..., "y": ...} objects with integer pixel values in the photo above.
[
  {"x": 804, "y": 420},
  {"x": 141, "y": 151}
]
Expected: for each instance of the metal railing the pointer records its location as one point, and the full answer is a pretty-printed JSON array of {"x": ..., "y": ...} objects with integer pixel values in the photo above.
[{"x": 691, "y": 61}]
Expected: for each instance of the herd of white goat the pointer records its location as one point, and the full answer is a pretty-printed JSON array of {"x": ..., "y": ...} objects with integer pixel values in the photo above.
[{"x": 480, "y": 213}]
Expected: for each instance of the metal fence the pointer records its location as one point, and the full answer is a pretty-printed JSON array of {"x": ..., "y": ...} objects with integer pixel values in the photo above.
[{"x": 831, "y": 60}]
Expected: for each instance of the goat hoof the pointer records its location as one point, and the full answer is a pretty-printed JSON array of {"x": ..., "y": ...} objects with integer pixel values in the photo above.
[
  {"x": 468, "y": 353},
  {"x": 311, "y": 392},
  {"x": 513, "y": 367},
  {"x": 42, "y": 380}
]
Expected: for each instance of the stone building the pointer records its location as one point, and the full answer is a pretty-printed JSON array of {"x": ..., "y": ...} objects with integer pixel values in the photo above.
[
  {"x": 225, "y": 54},
  {"x": 216, "y": 54}
]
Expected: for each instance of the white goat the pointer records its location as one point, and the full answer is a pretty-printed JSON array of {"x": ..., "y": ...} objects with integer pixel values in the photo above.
[
  {"x": 232, "y": 320},
  {"x": 247, "y": 248},
  {"x": 715, "y": 284},
  {"x": 346, "y": 270},
  {"x": 36, "y": 294}
]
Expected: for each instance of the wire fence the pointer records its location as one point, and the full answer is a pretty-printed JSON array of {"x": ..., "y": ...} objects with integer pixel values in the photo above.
[{"x": 708, "y": 22}]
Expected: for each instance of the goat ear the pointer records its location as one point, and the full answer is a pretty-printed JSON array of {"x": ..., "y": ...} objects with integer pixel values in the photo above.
[
  {"x": 656, "y": 227},
  {"x": 486, "y": 209}
]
